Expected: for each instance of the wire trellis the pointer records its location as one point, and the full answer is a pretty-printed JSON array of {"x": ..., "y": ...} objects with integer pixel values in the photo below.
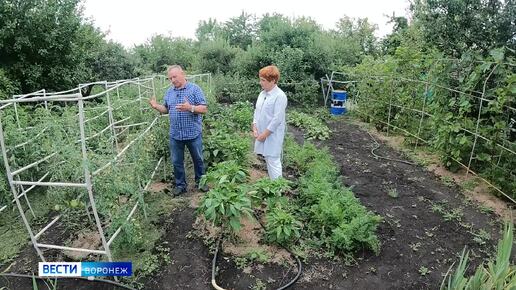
[
  {"x": 392, "y": 108},
  {"x": 17, "y": 178}
]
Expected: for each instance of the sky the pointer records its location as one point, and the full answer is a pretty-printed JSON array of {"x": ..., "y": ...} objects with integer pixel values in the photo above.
[{"x": 133, "y": 22}]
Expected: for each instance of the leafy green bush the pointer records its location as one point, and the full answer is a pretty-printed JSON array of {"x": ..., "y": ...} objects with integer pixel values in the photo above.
[
  {"x": 331, "y": 212},
  {"x": 303, "y": 93},
  {"x": 282, "y": 227},
  {"x": 233, "y": 88},
  {"x": 220, "y": 145},
  {"x": 266, "y": 187},
  {"x": 301, "y": 157},
  {"x": 239, "y": 116},
  {"x": 225, "y": 172},
  {"x": 226, "y": 204},
  {"x": 226, "y": 134},
  {"x": 314, "y": 128}
]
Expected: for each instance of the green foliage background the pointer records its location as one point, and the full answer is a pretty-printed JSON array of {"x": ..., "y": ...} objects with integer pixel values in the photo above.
[{"x": 455, "y": 45}]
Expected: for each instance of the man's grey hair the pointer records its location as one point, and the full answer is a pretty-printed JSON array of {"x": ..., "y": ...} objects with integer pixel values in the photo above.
[{"x": 175, "y": 66}]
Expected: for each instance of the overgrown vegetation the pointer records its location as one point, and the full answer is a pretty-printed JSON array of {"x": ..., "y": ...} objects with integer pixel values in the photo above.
[
  {"x": 312, "y": 127},
  {"x": 447, "y": 55},
  {"x": 497, "y": 274},
  {"x": 468, "y": 102},
  {"x": 450, "y": 118},
  {"x": 116, "y": 189},
  {"x": 315, "y": 207},
  {"x": 330, "y": 211}
]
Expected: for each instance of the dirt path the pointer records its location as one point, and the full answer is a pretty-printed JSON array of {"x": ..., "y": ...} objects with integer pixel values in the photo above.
[
  {"x": 190, "y": 267},
  {"x": 413, "y": 235}
]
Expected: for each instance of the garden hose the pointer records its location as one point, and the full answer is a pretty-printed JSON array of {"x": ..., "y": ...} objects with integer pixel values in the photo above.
[
  {"x": 52, "y": 278},
  {"x": 299, "y": 264},
  {"x": 386, "y": 158},
  {"x": 214, "y": 265}
]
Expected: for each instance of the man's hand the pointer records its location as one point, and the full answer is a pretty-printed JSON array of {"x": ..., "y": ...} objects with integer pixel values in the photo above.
[
  {"x": 157, "y": 106},
  {"x": 152, "y": 102},
  {"x": 184, "y": 107}
]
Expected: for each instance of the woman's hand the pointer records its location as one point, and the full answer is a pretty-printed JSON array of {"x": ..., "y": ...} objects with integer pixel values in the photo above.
[
  {"x": 264, "y": 135},
  {"x": 255, "y": 131},
  {"x": 261, "y": 137}
]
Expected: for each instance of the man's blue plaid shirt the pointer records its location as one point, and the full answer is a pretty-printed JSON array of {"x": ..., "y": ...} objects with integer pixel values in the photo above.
[{"x": 184, "y": 125}]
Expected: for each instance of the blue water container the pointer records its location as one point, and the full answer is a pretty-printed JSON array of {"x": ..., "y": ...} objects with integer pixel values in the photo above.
[
  {"x": 339, "y": 95},
  {"x": 337, "y": 111},
  {"x": 337, "y": 104}
]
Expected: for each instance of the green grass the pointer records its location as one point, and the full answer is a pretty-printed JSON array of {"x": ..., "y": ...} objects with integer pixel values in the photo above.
[
  {"x": 447, "y": 180},
  {"x": 393, "y": 193},
  {"x": 14, "y": 238},
  {"x": 149, "y": 253},
  {"x": 12, "y": 230},
  {"x": 469, "y": 184},
  {"x": 498, "y": 273}
]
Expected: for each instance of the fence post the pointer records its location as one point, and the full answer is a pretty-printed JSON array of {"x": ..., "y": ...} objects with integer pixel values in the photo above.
[{"x": 478, "y": 119}]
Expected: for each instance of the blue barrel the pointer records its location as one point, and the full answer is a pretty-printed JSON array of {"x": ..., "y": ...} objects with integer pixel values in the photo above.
[
  {"x": 338, "y": 100},
  {"x": 339, "y": 95},
  {"x": 337, "y": 111}
]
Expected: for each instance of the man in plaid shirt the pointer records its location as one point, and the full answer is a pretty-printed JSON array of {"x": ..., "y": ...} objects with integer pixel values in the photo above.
[{"x": 185, "y": 104}]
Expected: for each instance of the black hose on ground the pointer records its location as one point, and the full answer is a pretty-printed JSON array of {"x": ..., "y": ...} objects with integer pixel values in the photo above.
[
  {"x": 81, "y": 278},
  {"x": 214, "y": 264},
  {"x": 386, "y": 158},
  {"x": 299, "y": 270},
  {"x": 299, "y": 264}
]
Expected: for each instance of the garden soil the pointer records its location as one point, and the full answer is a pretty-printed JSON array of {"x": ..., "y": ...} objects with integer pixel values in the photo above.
[{"x": 419, "y": 243}]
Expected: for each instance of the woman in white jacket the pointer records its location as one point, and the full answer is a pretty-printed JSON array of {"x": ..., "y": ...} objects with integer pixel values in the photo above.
[{"x": 269, "y": 120}]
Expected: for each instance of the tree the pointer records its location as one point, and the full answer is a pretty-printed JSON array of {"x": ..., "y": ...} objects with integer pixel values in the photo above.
[
  {"x": 393, "y": 40},
  {"x": 208, "y": 30},
  {"x": 112, "y": 62},
  {"x": 240, "y": 31},
  {"x": 161, "y": 51},
  {"x": 38, "y": 43},
  {"x": 48, "y": 44},
  {"x": 6, "y": 86},
  {"x": 358, "y": 31},
  {"x": 456, "y": 26},
  {"x": 278, "y": 32},
  {"x": 215, "y": 57},
  {"x": 295, "y": 46},
  {"x": 349, "y": 43}
]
